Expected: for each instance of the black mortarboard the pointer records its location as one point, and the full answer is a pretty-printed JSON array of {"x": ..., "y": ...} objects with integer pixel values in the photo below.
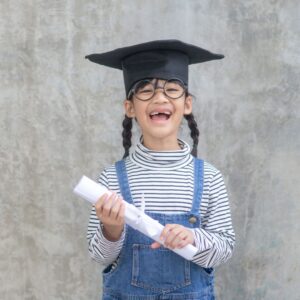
[{"x": 165, "y": 59}]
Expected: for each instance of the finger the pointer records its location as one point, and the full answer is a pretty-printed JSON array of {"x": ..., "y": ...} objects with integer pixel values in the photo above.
[
  {"x": 155, "y": 245},
  {"x": 99, "y": 205},
  {"x": 100, "y": 201},
  {"x": 173, "y": 231},
  {"x": 182, "y": 244},
  {"x": 115, "y": 208},
  {"x": 180, "y": 237},
  {"x": 188, "y": 238},
  {"x": 177, "y": 229},
  {"x": 121, "y": 214},
  {"x": 172, "y": 240},
  {"x": 108, "y": 204},
  {"x": 166, "y": 231},
  {"x": 177, "y": 240}
]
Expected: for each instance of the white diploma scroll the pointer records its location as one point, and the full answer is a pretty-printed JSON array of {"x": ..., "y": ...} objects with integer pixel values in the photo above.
[{"x": 134, "y": 217}]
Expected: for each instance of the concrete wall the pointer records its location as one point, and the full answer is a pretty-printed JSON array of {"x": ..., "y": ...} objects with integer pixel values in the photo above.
[{"x": 60, "y": 117}]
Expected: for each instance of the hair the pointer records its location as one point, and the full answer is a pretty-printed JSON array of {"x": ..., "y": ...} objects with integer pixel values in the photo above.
[
  {"x": 194, "y": 133},
  {"x": 127, "y": 126},
  {"x": 126, "y": 134}
]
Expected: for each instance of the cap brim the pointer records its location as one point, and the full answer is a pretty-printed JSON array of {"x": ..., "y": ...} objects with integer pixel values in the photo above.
[{"x": 114, "y": 58}]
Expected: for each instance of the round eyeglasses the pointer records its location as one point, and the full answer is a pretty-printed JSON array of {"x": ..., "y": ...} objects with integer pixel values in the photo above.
[{"x": 145, "y": 89}]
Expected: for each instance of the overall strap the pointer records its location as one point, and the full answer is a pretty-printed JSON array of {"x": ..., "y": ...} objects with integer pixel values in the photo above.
[
  {"x": 198, "y": 185},
  {"x": 123, "y": 180}
]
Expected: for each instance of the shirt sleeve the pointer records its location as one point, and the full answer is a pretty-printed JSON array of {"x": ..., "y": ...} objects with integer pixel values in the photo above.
[
  {"x": 101, "y": 249},
  {"x": 215, "y": 238}
]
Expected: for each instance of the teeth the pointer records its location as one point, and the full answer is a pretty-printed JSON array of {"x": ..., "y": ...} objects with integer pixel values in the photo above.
[{"x": 157, "y": 113}]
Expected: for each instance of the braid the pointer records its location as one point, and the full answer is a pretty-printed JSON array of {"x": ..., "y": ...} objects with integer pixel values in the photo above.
[
  {"x": 194, "y": 132},
  {"x": 126, "y": 134}
]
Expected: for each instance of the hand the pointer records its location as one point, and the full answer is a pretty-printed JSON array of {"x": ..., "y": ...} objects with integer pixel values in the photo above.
[
  {"x": 174, "y": 236},
  {"x": 110, "y": 211}
]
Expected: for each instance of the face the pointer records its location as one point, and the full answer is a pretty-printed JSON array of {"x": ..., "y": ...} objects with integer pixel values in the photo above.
[{"x": 159, "y": 117}]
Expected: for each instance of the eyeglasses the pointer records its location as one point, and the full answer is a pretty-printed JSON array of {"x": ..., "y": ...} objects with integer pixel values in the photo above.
[{"x": 145, "y": 89}]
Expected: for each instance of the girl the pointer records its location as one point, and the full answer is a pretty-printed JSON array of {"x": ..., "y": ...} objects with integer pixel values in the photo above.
[{"x": 185, "y": 194}]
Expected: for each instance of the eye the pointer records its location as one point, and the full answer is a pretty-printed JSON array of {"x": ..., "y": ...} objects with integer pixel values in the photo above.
[
  {"x": 174, "y": 89},
  {"x": 174, "y": 86},
  {"x": 145, "y": 91},
  {"x": 143, "y": 87},
  {"x": 147, "y": 88}
]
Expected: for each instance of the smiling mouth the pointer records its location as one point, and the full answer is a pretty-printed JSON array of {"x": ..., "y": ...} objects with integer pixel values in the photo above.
[{"x": 160, "y": 115}]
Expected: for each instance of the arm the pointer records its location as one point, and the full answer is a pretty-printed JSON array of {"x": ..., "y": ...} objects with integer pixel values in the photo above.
[
  {"x": 215, "y": 238},
  {"x": 104, "y": 245}
]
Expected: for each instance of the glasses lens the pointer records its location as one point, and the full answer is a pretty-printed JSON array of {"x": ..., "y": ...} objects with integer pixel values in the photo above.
[
  {"x": 144, "y": 90},
  {"x": 174, "y": 88}
]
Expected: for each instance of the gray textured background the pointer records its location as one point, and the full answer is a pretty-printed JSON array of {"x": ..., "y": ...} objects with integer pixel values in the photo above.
[{"x": 60, "y": 117}]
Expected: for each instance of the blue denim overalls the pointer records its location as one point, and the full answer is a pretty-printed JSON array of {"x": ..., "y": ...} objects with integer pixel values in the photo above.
[{"x": 143, "y": 273}]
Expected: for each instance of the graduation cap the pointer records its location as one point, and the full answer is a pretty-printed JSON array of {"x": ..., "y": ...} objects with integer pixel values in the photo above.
[{"x": 164, "y": 59}]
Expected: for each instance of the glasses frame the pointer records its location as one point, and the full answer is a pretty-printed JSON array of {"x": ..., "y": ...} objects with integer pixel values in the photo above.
[{"x": 132, "y": 90}]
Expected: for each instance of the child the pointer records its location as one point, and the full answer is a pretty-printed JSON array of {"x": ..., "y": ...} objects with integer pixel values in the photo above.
[{"x": 185, "y": 194}]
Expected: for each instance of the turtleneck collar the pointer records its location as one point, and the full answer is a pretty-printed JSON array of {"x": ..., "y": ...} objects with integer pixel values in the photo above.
[{"x": 163, "y": 160}]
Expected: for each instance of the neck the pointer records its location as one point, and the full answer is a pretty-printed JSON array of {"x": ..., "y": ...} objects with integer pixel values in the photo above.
[{"x": 161, "y": 144}]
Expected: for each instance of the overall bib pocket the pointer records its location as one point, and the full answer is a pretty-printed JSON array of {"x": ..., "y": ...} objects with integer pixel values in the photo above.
[{"x": 159, "y": 270}]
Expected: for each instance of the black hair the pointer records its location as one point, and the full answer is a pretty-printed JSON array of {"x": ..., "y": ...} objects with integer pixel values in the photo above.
[
  {"x": 194, "y": 132},
  {"x": 126, "y": 134},
  {"x": 127, "y": 126}
]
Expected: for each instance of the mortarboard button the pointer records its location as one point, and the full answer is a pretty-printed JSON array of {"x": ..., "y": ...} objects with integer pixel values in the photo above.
[{"x": 192, "y": 220}]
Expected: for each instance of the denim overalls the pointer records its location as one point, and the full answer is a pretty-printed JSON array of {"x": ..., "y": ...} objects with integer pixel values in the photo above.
[{"x": 143, "y": 273}]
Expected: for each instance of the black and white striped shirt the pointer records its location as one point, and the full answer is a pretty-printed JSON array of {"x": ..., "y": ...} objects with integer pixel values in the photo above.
[{"x": 166, "y": 179}]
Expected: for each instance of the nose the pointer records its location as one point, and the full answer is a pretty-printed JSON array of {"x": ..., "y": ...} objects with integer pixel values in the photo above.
[{"x": 159, "y": 95}]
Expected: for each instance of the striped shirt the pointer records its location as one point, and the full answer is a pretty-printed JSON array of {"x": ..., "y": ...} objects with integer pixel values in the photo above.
[{"x": 166, "y": 179}]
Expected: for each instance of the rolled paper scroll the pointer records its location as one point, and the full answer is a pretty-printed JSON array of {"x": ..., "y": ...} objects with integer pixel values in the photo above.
[{"x": 134, "y": 217}]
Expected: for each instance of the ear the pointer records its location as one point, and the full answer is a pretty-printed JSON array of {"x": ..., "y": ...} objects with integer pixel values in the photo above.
[
  {"x": 129, "y": 108},
  {"x": 188, "y": 105}
]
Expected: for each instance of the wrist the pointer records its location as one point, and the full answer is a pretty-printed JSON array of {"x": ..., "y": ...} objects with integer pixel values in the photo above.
[{"x": 112, "y": 233}]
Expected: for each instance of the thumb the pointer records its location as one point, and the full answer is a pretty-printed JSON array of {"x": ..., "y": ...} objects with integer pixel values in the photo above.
[{"x": 155, "y": 245}]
